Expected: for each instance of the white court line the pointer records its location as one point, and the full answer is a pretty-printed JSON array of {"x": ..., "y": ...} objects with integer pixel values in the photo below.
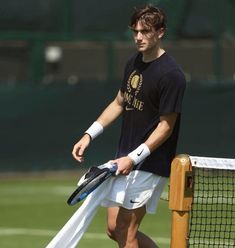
[
  {"x": 25, "y": 231},
  {"x": 51, "y": 233}
]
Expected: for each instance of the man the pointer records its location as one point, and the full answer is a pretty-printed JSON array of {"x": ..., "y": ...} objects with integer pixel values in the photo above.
[{"x": 149, "y": 101}]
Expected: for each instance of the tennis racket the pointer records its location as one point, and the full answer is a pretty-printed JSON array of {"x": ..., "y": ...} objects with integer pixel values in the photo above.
[{"x": 91, "y": 180}]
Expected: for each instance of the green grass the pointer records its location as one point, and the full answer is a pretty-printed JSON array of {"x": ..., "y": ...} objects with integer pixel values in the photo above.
[{"x": 33, "y": 209}]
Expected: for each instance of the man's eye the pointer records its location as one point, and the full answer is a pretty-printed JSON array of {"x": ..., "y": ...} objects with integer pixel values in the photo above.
[
  {"x": 135, "y": 32},
  {"x": 144, "y": 32}
]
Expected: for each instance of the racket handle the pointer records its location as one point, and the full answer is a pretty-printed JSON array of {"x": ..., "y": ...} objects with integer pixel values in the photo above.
[{"x": 114, "y": 168}]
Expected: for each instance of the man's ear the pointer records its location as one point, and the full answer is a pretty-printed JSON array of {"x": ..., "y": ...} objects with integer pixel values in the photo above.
[{"x": 161, "y": 33}]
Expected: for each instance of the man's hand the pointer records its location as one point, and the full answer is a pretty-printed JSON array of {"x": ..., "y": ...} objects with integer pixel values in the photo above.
[
  {"x": 125, "y": 165},
  {"x": 80, "y": 146}
]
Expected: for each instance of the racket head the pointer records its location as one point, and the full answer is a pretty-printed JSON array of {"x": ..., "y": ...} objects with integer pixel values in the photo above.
[{"x": 93, "y": 178}]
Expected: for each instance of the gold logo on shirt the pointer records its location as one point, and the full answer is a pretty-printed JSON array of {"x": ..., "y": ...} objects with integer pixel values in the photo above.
[{"x": 134, "y": 82}]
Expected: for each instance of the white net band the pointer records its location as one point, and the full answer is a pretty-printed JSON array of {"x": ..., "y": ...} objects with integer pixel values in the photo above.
[{"x": 213, "y": 163}]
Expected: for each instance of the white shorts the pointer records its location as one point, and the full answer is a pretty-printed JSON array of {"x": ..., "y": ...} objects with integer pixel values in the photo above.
[{"x": 135, "y": 190}]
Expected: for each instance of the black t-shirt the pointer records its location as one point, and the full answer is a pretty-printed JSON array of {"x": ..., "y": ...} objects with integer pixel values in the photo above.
[{"x": 151, "y": 90}]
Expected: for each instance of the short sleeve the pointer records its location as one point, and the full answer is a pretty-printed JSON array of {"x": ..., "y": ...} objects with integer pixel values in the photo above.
[{"x": 171, "y": 92}]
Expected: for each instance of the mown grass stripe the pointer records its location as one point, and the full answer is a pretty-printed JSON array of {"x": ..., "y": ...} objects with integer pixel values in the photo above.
[{"x": 51, "y": 233}]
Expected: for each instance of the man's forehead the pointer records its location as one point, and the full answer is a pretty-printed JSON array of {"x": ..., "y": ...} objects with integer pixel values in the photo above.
[{"x": 140, "y": 26}]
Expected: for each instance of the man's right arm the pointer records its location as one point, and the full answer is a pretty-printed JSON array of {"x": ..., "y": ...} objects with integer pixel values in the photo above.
[{"x": 111, "y": 113}]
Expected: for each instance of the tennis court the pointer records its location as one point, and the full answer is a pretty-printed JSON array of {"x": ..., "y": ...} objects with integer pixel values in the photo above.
[
  {"x": 34, "y": 208},
  {"x": 58, "y": 63}
]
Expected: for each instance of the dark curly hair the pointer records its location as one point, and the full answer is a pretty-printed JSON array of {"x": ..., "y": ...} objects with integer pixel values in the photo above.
[{"x": 149, "y": 16}]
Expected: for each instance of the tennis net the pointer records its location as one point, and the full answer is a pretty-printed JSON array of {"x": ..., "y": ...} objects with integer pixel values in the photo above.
[{"x": 212, "y": 214}]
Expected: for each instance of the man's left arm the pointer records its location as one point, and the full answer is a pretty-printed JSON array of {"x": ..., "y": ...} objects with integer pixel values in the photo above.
[{"x": 161, "y": 133}]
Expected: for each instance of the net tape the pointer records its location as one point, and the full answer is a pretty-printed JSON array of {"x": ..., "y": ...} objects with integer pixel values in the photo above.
[{"x": 213, "y": 163}]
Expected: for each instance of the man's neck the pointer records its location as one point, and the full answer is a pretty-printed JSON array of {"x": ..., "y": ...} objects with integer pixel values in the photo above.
[{"x": 149, "y": 56}]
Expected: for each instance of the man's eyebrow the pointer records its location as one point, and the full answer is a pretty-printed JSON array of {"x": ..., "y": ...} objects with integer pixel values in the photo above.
[{"x": 140, "y": 30}]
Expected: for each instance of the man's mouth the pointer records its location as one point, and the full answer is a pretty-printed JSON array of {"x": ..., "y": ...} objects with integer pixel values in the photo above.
[{"x": 140, "y": 44}]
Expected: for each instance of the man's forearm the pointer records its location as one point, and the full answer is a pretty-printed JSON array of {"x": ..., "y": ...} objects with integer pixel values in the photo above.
[{"x": 111, "y": 113}]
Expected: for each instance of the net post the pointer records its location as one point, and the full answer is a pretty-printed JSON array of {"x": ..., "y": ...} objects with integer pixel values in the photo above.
[{"x": 180, "y": 200}]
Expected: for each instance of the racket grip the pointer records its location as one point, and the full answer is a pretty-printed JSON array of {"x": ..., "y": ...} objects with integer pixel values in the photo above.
[{"x": 114, "y": 168}]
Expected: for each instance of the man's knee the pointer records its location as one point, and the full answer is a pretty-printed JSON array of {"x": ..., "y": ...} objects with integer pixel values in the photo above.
[
  {"x": 111, "y": 234},
  {"x": 124, "y": 227},
  {"x": 116, "y": 232}
]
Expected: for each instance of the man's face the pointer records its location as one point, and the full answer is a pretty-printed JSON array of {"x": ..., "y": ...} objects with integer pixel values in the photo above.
[{"x": 146, "y": 38}]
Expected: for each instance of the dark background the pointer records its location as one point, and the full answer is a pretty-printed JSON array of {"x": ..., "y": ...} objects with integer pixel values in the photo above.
[{"x": 45, "y": 106}]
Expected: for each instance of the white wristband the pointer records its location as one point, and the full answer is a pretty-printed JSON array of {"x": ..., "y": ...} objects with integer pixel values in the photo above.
[
  {"x": 95, "y": 129},
  {"x": 139, "y": 154}
]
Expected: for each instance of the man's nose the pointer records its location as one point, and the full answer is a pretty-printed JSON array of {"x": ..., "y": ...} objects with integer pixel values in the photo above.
[{"x": 139, "y": 36}]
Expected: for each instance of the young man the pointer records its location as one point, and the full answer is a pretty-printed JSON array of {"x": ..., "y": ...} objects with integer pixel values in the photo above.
[{"x": 149, "y": 101}]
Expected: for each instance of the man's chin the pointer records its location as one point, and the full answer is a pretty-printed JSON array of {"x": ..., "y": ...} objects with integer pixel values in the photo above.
[{"x": 141, "y": 49}]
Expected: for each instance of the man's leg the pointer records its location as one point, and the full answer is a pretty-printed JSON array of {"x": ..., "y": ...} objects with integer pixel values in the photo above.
[{"x": 123, "y": 225}]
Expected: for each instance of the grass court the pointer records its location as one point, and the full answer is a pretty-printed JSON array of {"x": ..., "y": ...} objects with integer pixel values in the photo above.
[{"x": 33, "y": 209}]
